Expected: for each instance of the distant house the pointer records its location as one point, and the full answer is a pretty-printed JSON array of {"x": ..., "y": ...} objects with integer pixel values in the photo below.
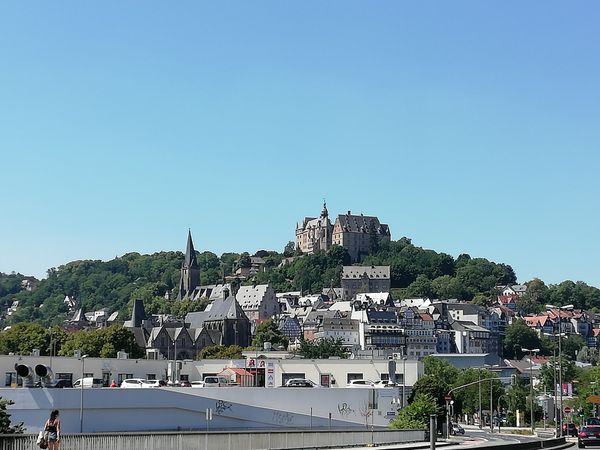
[
  {"x": 259, "y": 302},
  {"x": 346, "y": 330},
  {"x": 364, "y": 279}
]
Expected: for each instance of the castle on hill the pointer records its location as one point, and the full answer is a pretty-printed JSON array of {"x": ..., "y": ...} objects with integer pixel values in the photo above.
[{"x": 353, "y": 232}]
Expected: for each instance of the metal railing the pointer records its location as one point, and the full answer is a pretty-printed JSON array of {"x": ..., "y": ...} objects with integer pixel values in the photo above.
[{"x": 236, "y": 440}]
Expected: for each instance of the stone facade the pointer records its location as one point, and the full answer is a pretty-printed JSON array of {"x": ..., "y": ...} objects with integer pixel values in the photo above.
[
  {"x": 315, "y": 233},
  {"x": 355, "y": 233},
  {"x": 364, "y": 279}
]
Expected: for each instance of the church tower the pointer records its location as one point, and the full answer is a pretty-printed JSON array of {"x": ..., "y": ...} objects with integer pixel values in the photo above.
[{"x": 190, "y": 272}]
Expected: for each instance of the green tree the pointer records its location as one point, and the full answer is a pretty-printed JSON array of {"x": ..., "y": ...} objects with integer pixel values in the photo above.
[
  {"x": 268, "y": 331},
  {"x": 5, "y": 423},
  {"x": 441, "y": 369},
  {"x": 322, "y": 349},
  {"x": 518, "y": 336},
  {"x": 22, "y": 338},
  {"x": 572, "y": 344},
  {"x": 244, "y": 261},
  {"x": 288, "y": 251},
  {"x": 102, "y": 342},
  {"x": 221, "y": 352},
  {"x": 569, "y": 371},
  {"x": 416, "y": 414}
]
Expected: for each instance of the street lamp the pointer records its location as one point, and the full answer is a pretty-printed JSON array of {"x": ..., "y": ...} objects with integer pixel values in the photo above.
[
  {"x": 531, "y": 352},
  {"x": 560, "y": 411},
  {"x": 491, "y": 366},
  {"x": 403, "y": 381},
  {"x": 81, "y": 393}
]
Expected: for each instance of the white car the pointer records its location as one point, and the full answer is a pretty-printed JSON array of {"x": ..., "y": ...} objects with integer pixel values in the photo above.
[
  {"x": 361, "y": 384},
  {"x": 134, "y": 383},
  {"x": 153, "y": 383},
  {"x": 215, "y": 381},
  {"x": 197, "y": 384}
]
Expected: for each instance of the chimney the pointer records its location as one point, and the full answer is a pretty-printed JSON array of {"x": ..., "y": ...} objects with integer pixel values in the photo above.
[
  {"x": 348, "y": 213},
  {"x": 225, "y": 293}
]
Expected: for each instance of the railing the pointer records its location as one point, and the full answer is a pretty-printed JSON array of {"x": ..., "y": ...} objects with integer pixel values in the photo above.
[{"x": 235, "y": 440}]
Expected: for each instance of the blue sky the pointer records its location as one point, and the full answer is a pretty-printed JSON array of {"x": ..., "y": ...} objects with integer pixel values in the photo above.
[{"x": 468, "y": 126}]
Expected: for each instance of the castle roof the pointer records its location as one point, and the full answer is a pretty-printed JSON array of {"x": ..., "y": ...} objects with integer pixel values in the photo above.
[
  {"x": 372, "y": 272},
  {"x": 361, "y": 224}
]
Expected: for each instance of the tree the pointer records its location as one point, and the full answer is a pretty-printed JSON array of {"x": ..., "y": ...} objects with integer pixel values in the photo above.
[
  {"x": 518, "y": 336},
  {"x": 589, "y": 355},
  {"x": 23, "y": 338},
  {"x": 102, "y": 342},
  {"x": 572, "y": 344},
  {"x": 416, "y": 414},
  {"x": 289, "y": 248},
  {"x": 569, "y": 371},
  {"x": 373, "y": 238},
  {"x": 5, "y": 423},
  {"x": 322, "y": 348},
  {"x": 440, "y": 368},
  {"x": 244, "y": 261},
  {"x": 221, "y": 352},
  {"x": 268, "y": 331}
]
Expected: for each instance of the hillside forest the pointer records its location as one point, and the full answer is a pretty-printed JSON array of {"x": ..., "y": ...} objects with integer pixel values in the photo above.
[{"x": 415, "y": 272}]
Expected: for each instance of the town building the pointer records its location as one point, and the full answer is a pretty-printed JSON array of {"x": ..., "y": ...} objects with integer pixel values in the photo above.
[
  {"x": 358, "y": 234},
  {"x": 258, "y": 301},
  {"x": 364, "y": 279},
  {"x": 314, "y": 233}
]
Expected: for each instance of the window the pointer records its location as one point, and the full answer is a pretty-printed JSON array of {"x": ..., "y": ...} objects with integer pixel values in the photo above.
[
  {"x": 11, "y": 379},
  {"x": 151, "y": 376},
  {"x": 65, "y": 376},
  {"x": 184, "y": 378},
  {"x": 354, "y": 376},
  {"x": 88, "y": 375}
]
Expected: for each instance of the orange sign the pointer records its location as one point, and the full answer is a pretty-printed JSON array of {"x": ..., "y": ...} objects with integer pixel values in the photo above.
[{"x": 593, "y": 399}]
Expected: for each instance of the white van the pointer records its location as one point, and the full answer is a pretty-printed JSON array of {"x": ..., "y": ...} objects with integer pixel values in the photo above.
[
  {"x": 88, "y": 382},
  {"x": 215, "y": 381}
]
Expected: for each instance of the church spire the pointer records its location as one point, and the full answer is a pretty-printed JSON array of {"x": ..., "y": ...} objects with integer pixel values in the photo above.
[
  {"x": 324, "y": 212},
  {"x": 190, "y": 253},
  {"x": 190, "y": 271}
]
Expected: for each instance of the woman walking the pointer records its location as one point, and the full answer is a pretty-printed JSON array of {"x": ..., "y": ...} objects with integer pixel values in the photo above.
[{"x": 52, "y": 428}]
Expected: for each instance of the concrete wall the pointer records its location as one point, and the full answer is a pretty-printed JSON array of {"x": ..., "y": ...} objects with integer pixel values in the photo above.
[{"x": 113, "y": 410}]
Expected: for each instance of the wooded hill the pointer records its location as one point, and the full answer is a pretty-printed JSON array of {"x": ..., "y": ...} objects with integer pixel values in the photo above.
[{"x": 415, "y": 272}]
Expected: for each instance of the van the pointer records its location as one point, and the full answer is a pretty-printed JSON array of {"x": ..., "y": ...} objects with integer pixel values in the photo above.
[
  {"x": 214, "y": 381},
  {"x": 88, "y": 382}
]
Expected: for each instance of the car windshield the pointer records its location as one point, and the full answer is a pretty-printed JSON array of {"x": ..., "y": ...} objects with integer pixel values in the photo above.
[{"x": 592, "y": 421}]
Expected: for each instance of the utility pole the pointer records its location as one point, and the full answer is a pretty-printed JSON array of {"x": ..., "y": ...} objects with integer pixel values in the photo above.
[{"x": 531, "y": 352}]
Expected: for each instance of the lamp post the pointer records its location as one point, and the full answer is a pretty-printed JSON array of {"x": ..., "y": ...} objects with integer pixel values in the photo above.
[
  {"x": 479, "y": 384},
  {"x": 81, "y": 393},
  {"x": 531, "y": 352},
  {"x": 403, "y": 381},
  {"x": 560, "y": 405},
  {"x": 491, "y": 366}
]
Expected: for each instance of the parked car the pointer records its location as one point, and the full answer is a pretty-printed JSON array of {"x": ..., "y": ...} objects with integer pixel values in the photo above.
[
  {"x": 185, "y": 383},
  {"x": 457, "y": 429},
  {"x": 301, "y": 382},
  {"x": 384, "y": 384},
  {"x": 197, "y": 384},
  {"x": 215, "y": 381},
  {"x": 360, "y": 383},
  {"x": 588, "y": 435},
  {"x": 134, "y": 383},
  {"x": 592, "y": 421},
  {"x": 88, "y": 382},
  {"x": 569, "y": 429},
  {"x": 153, "y": 383},
  {"x": 62, "y": 383}
]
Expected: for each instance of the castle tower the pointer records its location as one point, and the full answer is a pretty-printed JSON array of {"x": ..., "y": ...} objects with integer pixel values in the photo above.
[{"x": 190, "y": 272}]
